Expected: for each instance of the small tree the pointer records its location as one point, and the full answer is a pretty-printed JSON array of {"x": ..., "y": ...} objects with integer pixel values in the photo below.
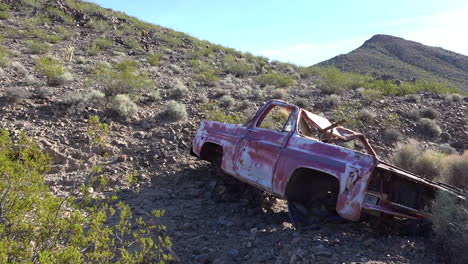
[{"x": 38, "y": 227}]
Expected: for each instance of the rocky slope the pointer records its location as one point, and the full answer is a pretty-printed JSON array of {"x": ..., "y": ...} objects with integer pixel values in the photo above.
[
  {"x": 210, "y": 218},
  {"x": 400, "y": 59}
]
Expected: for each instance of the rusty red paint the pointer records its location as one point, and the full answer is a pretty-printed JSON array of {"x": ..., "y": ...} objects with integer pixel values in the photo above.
[{"x": 267, "y": 159}]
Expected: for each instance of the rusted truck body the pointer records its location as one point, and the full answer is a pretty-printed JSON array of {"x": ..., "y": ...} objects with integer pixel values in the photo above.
[{"x": 302, "y": 157}]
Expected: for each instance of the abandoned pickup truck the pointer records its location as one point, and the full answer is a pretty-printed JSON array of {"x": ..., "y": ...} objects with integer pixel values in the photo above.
[{"x": 304, "y": 158}]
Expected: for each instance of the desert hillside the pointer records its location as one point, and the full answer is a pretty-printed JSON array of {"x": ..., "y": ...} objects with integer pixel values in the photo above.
[
  {"x": 98, "y": 89},
  {"x": 399, "y": 59}
]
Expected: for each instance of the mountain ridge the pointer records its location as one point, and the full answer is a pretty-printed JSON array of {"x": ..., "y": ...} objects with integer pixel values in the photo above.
[{"x": 397, "y": 58}]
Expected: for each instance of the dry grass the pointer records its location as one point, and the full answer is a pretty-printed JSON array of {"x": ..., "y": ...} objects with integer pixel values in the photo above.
[{"x": 450, "y": 226}]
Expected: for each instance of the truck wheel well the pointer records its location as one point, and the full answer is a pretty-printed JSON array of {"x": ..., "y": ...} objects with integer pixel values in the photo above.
[
  {"x": 313, "y": 188},
  {"x": 211, "y": 152}
]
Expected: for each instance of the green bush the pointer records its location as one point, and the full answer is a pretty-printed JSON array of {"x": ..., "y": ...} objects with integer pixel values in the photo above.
[
  {"x": 213, "y": 112},
  {"x": 205, "y": 73},
  {"x": 236, "y": 67},
  {"x": 4, "y": 56},
  {"x": 122, "y": 78},
  {"x": 37, "y": 47},
  {"x": 99, "y": 45},
  {"x": 132, "y": 43},
  {"x": 450, "y": 226},
  {"x": 175, "y": 111},
  {"x": 173, "y": 41},
  {"x": 153, "y": 58},
  {"x": 280, "y": 80},
  {"x": 37, "y": 33},
  {"x": 370, "y": 94},
  {"x": 4, "y": 11},
  {"x": 38, "y": 227},
  {"x": 202, "y": 52},
  {"x": 429, "y": 127},
  {"x": 58, "y": 15},
  {"x": 103, "y": 43},
  {"x": 332, "y": 80},
  {"x": 50, "y": 68},
  {"x": 124, "y": 106}
]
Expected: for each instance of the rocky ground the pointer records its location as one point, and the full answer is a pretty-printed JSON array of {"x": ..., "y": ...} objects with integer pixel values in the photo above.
[{"x": 209, "y": 217}]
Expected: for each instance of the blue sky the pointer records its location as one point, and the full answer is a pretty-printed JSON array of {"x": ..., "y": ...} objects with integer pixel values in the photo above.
[{"x": 306, "y": 32}]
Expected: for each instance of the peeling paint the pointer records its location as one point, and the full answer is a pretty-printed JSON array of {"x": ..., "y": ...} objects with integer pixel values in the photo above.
[{"x": 267, "y": 159}]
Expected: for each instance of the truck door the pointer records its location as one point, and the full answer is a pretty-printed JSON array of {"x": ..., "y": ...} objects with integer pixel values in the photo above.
[{"x": 260, "y": 149}]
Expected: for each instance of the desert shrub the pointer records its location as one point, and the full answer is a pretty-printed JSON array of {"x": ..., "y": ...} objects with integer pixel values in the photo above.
[
  {"x": 205, "y": 73},
  {"x": 37, "y": 47},
  {"x": 429, "y": 127},
  {"x": 429, "y": 112},
  {"x": 84, "y": 99},
  {"x": 99, "y": 45},
  {"x": 432, "y": 86},
  {"x": 58, "y": 15},
  {"x": 332, "y": 80},
  {"x": 405, "y": 155},
  {"x": 173, "y": 41},
  {"x": 213, "y": 112},
  {"x": 384, "y": 86},
  {"x": 4, "y": 11},
  {"x": 99, "y": 25},
  {"x": 455, "y": 172},
  {"x": 50, "y": 68},
  {"x": 16, "y": 94},
  {"x": 121, "y": 78},
  {"x": 153, "y": 58},
  {"x": 366, "y": 115},
  {"x": 429, "y": 164},
  {"x": 180, "y": 90},
  {"x": 450, "y": 225},
  {"x": 413, "y": 98},
  {"x": 258, "y": 94},
  {"x": 65, "y": 33},
  {"x": 370, "y": 94},
  {"x": 236, "y": 67},
  {"x": 301, "y": 102},
  {"x": 277, "y": 93},
  {"x": 276, "y": 79},
  {"x": 18, "y": 67},
  {"x": 124, "y": 106},
  {"x": 4, "y": 56},
  {"x": 413, "y": 114},
  {"x": 154, "y": 95},
  {"x": 447, "y": 149},
  {"x": 455, "y": 98},
  {"x": 332, "y": 100},
  {"x": 132, "y": 43},
  {"x": 220, "y": 92},
  {"x": 227, "y": 101},
  {"x": 391, "y": 135},
  {"x": 103, "y": 43},
  {"x": 71, "y": 229},
  {"x": 202, "y": 52},
  {"x": 37, "y": 33},
  {"x": 175, "y": 111}
]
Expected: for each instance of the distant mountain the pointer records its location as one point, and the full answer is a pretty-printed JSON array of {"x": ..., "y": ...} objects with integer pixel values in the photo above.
[{"x": 396, "y": 58}]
